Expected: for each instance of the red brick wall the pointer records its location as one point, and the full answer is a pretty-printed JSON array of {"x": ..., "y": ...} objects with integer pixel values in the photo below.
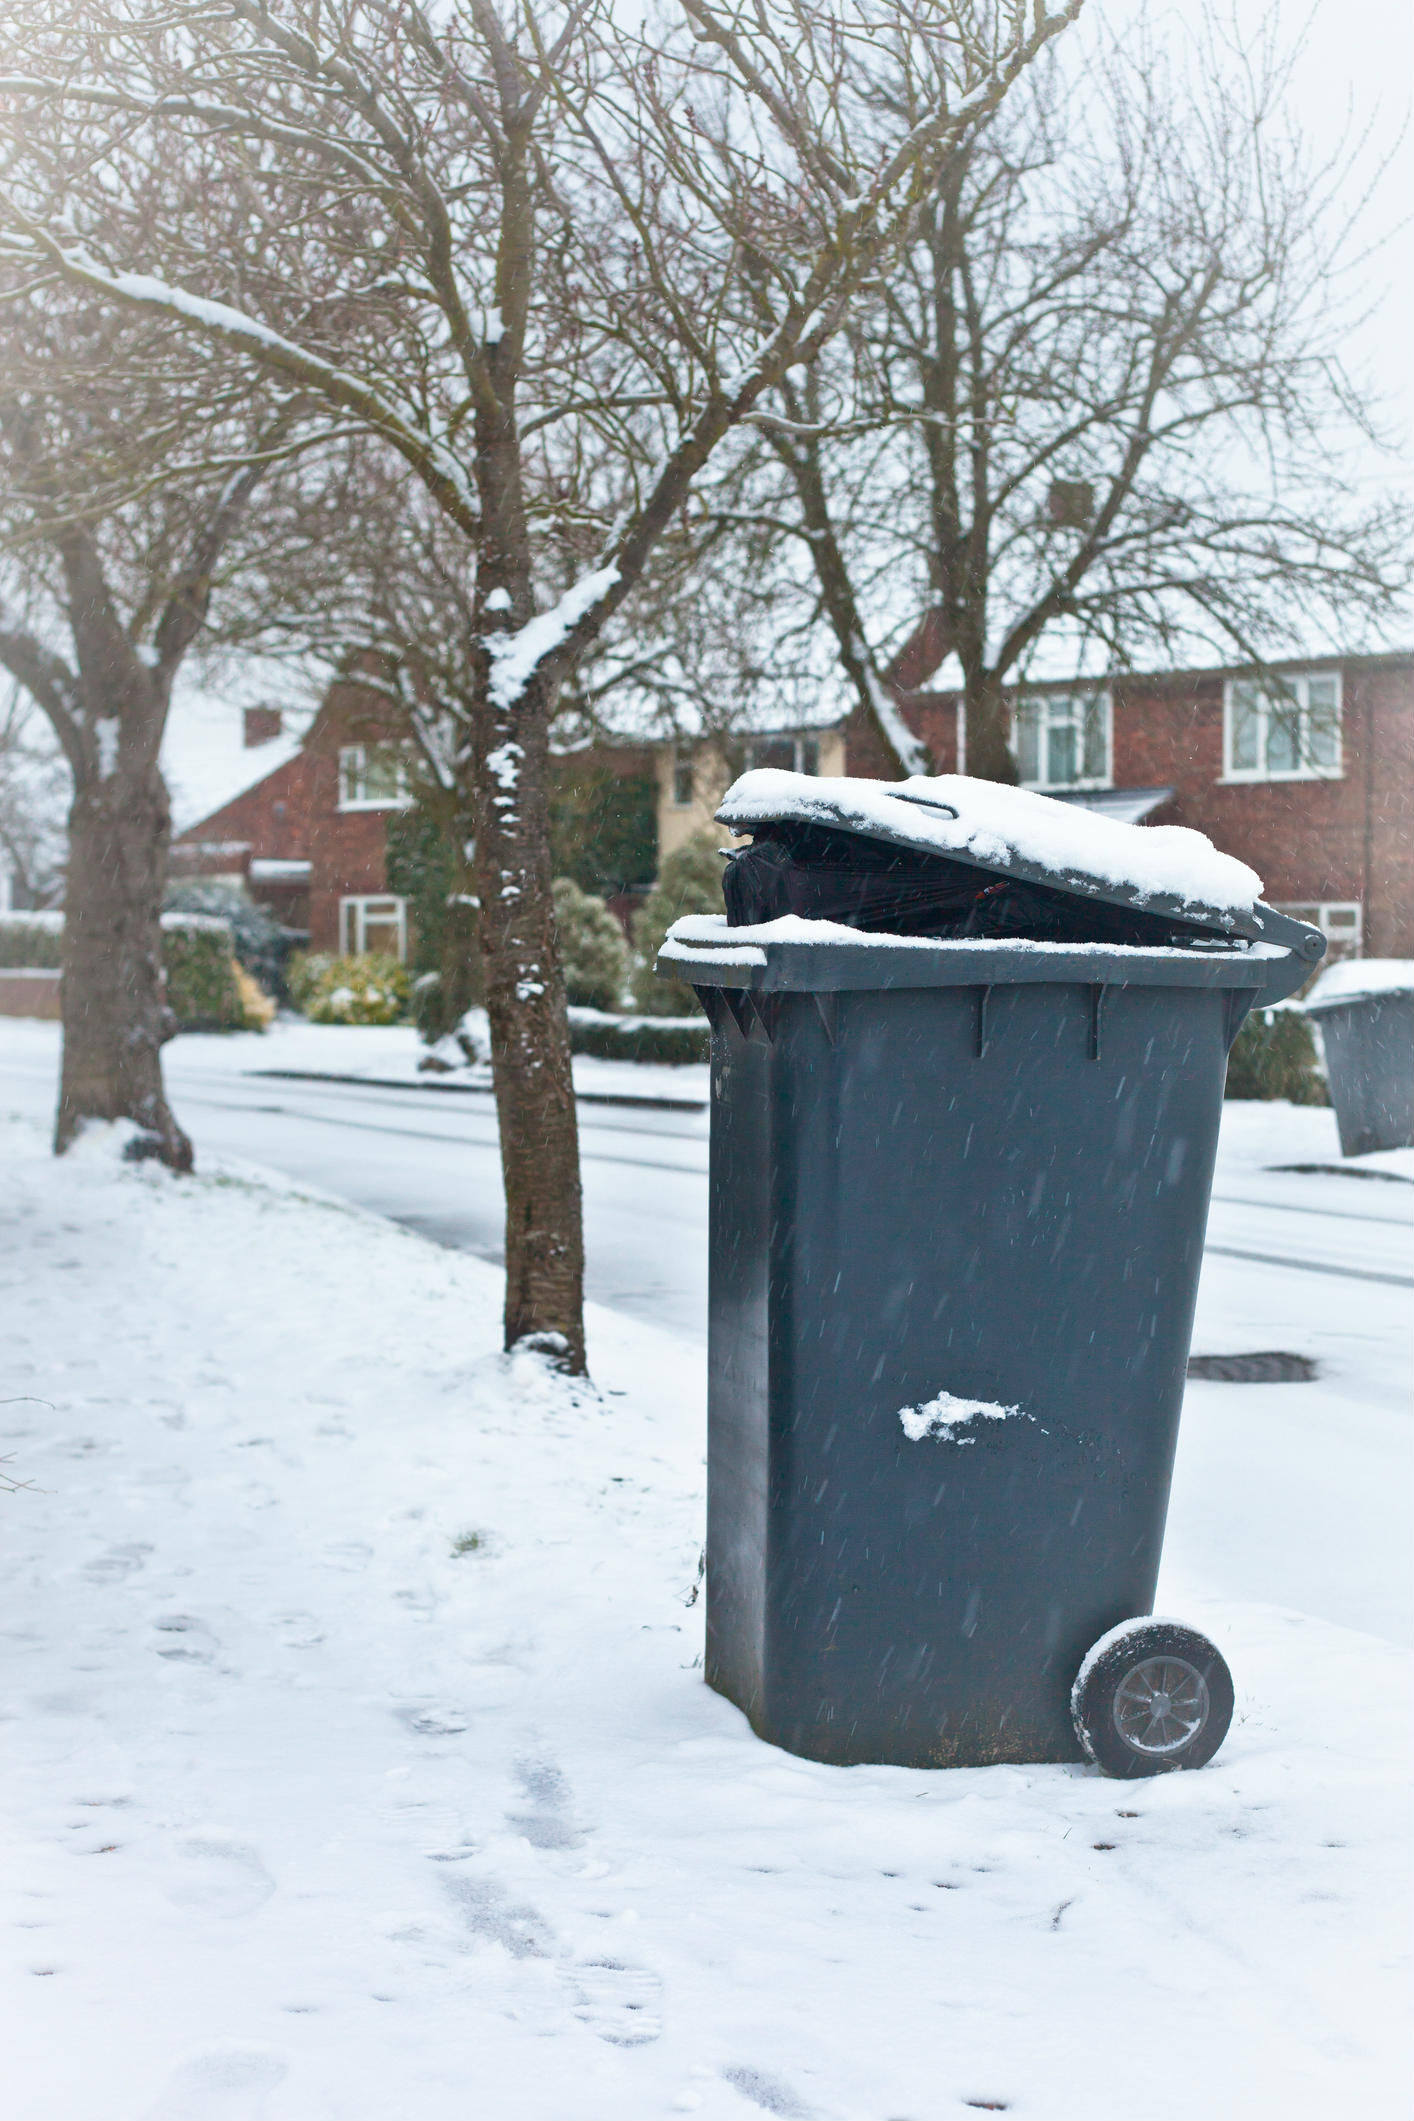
[
  {"x": 270, "y": 818},
  {"x": 1310, "y": 841},
  {"x": 346, "y": 847}
]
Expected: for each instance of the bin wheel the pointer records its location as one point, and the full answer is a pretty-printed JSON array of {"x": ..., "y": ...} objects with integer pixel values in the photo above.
[{"x": 1151, "y": 1695}]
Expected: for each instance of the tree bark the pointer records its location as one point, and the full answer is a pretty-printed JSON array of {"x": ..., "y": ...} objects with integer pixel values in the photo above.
[
  {"x": 530, "y": 1048},
  {"x": 114, "y": 1009},
  {"x": 989, "y": 753}
]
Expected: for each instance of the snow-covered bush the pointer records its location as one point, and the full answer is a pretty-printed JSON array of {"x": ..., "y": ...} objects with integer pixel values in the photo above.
[
  {"x": 207, "y": 989},
  {"x": 690, "y": 881},
  {"x": 368, "y": 989},
  {"x": 1274, "y": 1055},
  {"x": 262, "y": 944},
  {"x": 203, "y": 982},
  {"x": 592, "y": 948},
  {"x": 32, "y": 939},
  {"x": 671, "y": 1039}
]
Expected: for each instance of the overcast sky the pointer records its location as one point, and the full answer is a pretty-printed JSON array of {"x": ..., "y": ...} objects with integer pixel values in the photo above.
[{"x": 1354, "y": 71}]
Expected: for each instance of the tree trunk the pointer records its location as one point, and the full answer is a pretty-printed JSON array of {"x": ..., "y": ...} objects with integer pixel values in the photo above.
[
  {"x": 989, "y": 753},
  {"x": 530, "y": 1046},
  {"x": 114, "y": 1009}
]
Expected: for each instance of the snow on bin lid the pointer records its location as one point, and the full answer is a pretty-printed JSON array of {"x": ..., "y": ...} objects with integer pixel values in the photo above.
[
  {"x": 1359, "y": 979},
  {"x": 1163, "y": 868}
]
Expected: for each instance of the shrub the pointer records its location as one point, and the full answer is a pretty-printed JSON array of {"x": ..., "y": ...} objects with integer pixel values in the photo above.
[
  {"x": 262, "y": 944},
  {"x": 690, "y": 881},
  {"x": 349, "y": 990},
  {"x": 1274, "y": 1055},
  {"x": 32, "y": 939},
  {"x": 603, "y": 825},
  {"x": 592, "y": 948},
  {"x": 202, "y": 989},
  {"x": 671, "y": 1039},
  {"x": 207, "y": 990},
  {"x": 423, "y": 867}
]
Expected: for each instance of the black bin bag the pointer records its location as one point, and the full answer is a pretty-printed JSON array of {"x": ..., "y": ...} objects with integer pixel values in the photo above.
[{"x": 965, "y": 1108}]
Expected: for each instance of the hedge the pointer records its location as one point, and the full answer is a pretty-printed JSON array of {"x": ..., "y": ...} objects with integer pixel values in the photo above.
[
  {"x": 593, "y": 953},
  {"x": 32, "y": 939},
  {"x": 1274, "y": 1055},
  {"x": 673, "y": 1039},
  {"x": 205, "y": 991}
]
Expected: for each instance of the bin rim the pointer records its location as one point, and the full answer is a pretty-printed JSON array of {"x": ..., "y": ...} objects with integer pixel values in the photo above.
[
  {"x": 1356, "y": 983},
  {"x": 994, "y": 828},
  {"x": 783, "y": 956}
]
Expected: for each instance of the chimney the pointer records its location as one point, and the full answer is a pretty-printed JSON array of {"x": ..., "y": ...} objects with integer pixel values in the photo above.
[{"x": 262, "y": 726}]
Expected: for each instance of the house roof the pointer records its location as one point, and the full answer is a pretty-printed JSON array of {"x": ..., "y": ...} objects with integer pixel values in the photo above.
[{"x": 205, "y": 759}]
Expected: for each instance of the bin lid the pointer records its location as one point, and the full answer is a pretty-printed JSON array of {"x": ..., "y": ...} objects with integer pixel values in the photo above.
[
  {"x": 1360, "y": 979},
  {"x": 1016, "y": 832}
]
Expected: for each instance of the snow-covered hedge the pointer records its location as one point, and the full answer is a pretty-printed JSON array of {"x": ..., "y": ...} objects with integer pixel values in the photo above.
[
  {"x": 674, "y": 1040},
  {"x": 206, "y": 989},
  {"x": 32, "y": 939}
]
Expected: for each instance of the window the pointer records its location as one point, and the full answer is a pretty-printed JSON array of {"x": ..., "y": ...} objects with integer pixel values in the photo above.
[
  {"x": 684, "y": 780},
  {"x": 374, "y": 924},
  {"x": 372, "y": 777},
  {"x": 1282, "y": 729},
  {"x": 1342, "y": 923},
  {"x": 1063, "y": 740},
  {"x": 793, "y": 754}
]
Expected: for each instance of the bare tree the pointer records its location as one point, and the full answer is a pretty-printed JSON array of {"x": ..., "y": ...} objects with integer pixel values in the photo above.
[
  {"x": 127, "y": 484},
  {"x": 487, "y": 232},
  {"x": 1101, "y": 404},
  {"x": 32, "y": 802}
]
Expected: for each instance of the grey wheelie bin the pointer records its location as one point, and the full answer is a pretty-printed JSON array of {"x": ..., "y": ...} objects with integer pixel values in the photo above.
[
  {"x": 958, "y": 1193},
  {"x": 1365, "y": 1010}
]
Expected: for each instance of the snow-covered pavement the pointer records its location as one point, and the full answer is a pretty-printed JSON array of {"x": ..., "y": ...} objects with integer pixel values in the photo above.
[{"x": 360, "y": 1764}]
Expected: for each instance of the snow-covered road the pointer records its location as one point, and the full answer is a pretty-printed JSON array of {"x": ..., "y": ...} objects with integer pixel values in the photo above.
[{"x": 427, "y": 1158}]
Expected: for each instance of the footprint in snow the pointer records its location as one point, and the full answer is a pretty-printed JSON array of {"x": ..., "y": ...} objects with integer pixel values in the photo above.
[
  {"x": 186, "y": 1639},
  {"x": 348, "y": 1554},
  {"x": 117, "y": 1562},
  {"x": 489, "y": 1914},
  {"x": 767, "y": 2092},
  {"x": 226, "y": 2084},
  {"x": 431, "y": 1720},
  {"x": 545, "y": 1825},
  {"x": 622, "y": 2004},
  {"x": 217, "y": 1875}
]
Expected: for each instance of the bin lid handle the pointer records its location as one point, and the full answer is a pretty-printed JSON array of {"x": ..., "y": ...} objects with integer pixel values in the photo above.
[{"x": 924, "y": 802}]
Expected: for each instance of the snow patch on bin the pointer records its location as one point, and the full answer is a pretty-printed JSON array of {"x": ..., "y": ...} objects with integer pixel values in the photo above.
[{"x": 938, "y": 1420}]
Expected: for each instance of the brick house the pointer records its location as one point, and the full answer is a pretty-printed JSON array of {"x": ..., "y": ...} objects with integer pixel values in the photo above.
[
  {"x": 1314, "y": 787},
  {"x": 308, "y": 839}
]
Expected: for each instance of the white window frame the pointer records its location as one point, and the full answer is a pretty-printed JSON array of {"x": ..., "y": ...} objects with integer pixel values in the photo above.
[
  {"x": 799, "y": 743},
  {"x": 1310, "y": 769},
  {"x": 1341, "y": 921},
  {"x": 1076, "y": 698},
  {"x": 355, "y": 915},
  {"x": 353, "y": 774},
  {"x": 683, "y": 763}
]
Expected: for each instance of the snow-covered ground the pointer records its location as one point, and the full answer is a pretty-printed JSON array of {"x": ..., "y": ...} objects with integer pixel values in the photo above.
[{"x": 360, "y": 1764}]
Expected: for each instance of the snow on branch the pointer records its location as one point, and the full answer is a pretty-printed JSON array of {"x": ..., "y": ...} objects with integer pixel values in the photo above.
[
  {"x": 516, "y": 657},
  {"x": 247, "y": 335}
]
